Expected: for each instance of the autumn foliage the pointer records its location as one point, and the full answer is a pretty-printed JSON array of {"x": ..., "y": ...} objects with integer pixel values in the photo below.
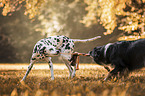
[{"x": 126, "y": 15}]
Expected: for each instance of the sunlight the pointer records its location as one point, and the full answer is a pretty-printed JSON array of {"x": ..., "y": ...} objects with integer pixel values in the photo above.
[{"x": 43, "y": 66}]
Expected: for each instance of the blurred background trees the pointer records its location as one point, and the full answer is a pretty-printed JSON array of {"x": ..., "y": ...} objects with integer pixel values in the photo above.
[
  {"x": 24, "y": 22},
  {"x": 126, "y": 15}
]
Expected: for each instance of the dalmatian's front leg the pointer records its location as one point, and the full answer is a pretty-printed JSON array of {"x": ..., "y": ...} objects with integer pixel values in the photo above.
[
  {"x": 28, "y": 70},
  {"x": 51, "y": 67}
]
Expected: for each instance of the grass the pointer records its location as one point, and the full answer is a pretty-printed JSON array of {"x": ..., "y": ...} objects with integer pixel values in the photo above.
[{"x": 87, "y": 82}]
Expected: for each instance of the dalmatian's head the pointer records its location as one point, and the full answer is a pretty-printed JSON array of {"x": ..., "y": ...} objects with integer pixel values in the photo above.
[{"x": 51, "y": 51}]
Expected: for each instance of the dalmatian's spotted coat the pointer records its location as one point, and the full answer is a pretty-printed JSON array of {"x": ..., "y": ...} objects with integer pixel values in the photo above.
[{"x": 54, "y": 46}]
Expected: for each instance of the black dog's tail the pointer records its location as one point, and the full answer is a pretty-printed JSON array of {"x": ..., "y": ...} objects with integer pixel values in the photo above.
[{"x": 86, "y": 40}]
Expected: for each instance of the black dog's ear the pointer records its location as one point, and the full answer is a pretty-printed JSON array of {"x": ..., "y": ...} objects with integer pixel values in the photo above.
[
  {"x": 98, "y": 52},
  {"x": 95, "y": 52}
]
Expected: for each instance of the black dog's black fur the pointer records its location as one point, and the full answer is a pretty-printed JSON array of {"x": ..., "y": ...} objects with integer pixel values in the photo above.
[{"x": 123, "y": 55}]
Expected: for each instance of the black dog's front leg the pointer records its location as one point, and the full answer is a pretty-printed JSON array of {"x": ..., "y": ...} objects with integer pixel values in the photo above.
[
  {"x": 113, "y": 72},
  {"x": 119, "y": 67},
  {"x": 107, "y": 68}
]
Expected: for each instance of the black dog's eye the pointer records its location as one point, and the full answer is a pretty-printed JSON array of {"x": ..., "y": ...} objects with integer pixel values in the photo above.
[
  {"x": 98, "y": 52},
  {"x": 51, "y": 49}
]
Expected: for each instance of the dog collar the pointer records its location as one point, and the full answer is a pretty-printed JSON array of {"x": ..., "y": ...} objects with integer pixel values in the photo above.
[{"x": 106, "y": 48}]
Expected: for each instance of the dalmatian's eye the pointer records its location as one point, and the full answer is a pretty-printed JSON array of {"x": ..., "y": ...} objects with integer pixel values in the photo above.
[{"x": 51, "y": 49}]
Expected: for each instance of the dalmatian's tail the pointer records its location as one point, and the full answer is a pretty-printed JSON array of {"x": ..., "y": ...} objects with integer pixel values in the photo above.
[{"x": 86, "y": 40}]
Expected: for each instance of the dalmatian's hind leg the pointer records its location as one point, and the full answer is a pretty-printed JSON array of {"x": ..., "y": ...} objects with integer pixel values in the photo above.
[
  {"x": 69, "y": 67},
  {"x": 74, "y": 61},
  {"x": 51, "y": 67},
  {"x": 74, "y": 71},
  {"x": 29, "y": 69}
]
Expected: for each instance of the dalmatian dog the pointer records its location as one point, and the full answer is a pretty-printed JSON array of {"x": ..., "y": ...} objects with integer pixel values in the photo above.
[{"x": 54, "y": 46}]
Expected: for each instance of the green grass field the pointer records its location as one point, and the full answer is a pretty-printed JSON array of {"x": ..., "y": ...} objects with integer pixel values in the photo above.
[{"x": 87, "y": 82}]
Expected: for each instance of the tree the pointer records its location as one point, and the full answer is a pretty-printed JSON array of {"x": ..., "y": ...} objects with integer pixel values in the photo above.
[
  {"x": 126, "y": 15},
  {"x": 51, "y": 16}
]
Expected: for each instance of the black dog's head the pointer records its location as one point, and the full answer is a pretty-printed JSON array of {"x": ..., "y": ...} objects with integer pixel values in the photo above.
[{"x": 96, "y": 54}]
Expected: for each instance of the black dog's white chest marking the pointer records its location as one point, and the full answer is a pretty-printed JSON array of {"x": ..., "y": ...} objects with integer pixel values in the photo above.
[{"x": 106, "y": 48}]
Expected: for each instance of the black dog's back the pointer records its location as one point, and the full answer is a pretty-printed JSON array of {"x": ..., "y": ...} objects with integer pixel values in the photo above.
[
  {"x": 136, "y": 55},
  {"x": 132, "y": 53}
]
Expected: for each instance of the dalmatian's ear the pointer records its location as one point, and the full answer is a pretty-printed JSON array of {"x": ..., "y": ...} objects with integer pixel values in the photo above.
[{"x": 42, "y": 51}]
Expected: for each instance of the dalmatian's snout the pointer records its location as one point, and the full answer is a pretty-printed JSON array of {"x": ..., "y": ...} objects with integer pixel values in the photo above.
[{"x": 57, "y": 52}]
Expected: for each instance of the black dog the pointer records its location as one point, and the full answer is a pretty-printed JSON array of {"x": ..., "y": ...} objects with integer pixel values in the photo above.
[{"x": 124, "y": 55}]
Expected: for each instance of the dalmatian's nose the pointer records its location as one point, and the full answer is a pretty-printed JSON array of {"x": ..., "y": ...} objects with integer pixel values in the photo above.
[{"x": 58, "y": 51}]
